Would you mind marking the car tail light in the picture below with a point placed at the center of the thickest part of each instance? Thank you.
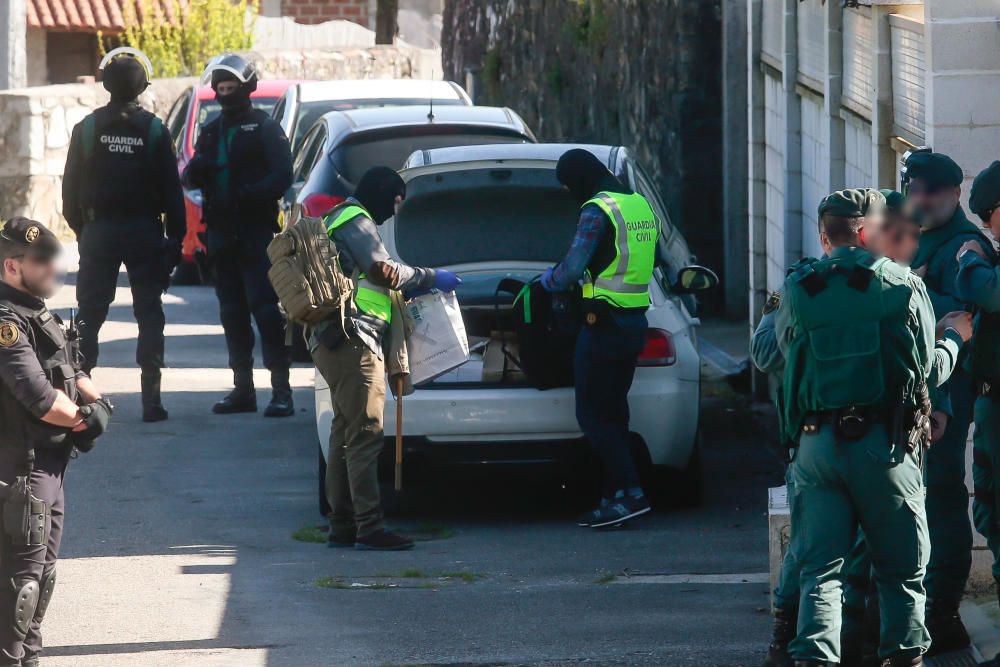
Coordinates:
(319, 204)
(659, 349)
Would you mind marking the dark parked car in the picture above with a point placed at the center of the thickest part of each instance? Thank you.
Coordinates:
(342, 145)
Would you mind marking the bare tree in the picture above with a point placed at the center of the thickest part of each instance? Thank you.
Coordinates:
(385, 21)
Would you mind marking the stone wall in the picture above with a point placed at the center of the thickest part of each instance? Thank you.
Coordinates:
(640, 73)
(35, 127)
(35, 123)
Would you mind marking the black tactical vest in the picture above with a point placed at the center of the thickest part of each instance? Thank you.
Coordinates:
(20, 428)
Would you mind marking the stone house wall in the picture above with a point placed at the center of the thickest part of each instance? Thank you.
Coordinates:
(638, 73)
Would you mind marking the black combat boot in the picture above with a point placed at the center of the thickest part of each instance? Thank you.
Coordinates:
(243, 398)
(152, 407)
(785, 622)
(945, 626)
(852, 637)
(899, 661)
(281, 404)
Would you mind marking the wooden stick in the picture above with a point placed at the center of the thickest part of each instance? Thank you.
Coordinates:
(399, 433)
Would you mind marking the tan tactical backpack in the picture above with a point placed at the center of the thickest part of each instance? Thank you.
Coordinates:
(306, 275)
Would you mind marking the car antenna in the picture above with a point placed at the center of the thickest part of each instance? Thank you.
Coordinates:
(430, 114)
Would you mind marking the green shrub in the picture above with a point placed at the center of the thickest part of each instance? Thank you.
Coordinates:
(201, 29)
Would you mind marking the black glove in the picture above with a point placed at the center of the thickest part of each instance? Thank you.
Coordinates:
(96, 417)
(171, 258)
(197, 171)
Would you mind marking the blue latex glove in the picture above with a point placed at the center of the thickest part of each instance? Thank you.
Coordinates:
(546, 279)
(446, 281)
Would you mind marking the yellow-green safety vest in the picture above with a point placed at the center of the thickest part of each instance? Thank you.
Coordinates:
(625, 281)
(370, 299)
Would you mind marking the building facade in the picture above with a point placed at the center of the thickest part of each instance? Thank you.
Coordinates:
(837, 95)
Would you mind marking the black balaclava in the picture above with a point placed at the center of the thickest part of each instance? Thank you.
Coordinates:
(377, 191)
(584, 175)
(125, 78)
(235, 102)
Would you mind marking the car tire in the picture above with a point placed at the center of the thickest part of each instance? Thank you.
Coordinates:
(300, 351)
(324, 503)
(186, 273)
(672, 488)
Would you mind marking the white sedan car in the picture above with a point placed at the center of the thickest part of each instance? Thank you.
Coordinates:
(491, 212)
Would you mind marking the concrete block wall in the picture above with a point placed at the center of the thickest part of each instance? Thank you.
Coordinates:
(963, 54)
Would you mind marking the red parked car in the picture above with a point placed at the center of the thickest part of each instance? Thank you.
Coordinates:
(195, 107)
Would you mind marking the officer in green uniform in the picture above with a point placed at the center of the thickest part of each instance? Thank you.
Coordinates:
(932, 184)
(979, 283)
(857, 333)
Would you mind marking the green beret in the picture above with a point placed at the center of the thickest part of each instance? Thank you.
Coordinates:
(852, 203)
(893, 200)
(985, 189)
(936, 170)
(33, 237)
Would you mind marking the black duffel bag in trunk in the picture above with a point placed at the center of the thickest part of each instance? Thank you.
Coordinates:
(546, 326)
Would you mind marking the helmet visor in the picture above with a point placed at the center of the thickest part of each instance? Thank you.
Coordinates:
(128, 51)
(232, 63)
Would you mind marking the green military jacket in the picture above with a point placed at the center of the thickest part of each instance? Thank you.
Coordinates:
(902, 349)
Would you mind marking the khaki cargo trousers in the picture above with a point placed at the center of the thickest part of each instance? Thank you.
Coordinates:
(356, 377)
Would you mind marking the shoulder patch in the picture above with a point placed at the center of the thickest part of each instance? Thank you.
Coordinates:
(9, 334)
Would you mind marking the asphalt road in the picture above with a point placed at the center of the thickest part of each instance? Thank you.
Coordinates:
(179, 551)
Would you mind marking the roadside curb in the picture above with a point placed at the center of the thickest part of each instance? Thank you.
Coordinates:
(983, 630)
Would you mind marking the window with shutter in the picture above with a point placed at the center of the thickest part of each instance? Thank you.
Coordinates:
(859, 70)
(908, 72)
(772, 41)
(812, 43)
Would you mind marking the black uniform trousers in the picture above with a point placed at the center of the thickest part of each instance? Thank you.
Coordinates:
(19, 562)
(104, 247)
(240, 265)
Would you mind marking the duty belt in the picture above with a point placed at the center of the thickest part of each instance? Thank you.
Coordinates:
(850, 423)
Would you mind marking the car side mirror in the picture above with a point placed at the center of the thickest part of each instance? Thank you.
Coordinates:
(694, 278)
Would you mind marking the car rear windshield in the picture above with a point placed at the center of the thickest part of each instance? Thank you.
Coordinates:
(485, 215)
(309, 112)
(354, 158)
(209, 109)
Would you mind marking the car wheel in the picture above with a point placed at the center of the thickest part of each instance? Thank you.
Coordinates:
(300, 351)
(186, 273)
(324, 504)
(675, 488)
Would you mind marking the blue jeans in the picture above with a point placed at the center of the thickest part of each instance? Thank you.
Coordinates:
(604, 365)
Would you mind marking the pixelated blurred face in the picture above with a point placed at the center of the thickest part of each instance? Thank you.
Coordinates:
(937, 204)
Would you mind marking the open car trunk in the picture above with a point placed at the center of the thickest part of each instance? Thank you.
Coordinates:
(494, 223)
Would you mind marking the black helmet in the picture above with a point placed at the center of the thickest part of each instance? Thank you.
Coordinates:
(231, 66)
(125, 73)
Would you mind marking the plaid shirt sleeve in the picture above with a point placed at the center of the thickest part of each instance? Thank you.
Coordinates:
(592, 226)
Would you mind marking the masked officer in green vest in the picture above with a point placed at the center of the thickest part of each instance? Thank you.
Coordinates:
(932, 183)
(857, 333)
(613, 252)
(979, 283)
(351, 359)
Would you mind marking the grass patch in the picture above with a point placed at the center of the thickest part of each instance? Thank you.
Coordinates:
(425, 532)
(313, 534)
(606, 578)
(331, 582)
(467, 577)
(412, 574)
